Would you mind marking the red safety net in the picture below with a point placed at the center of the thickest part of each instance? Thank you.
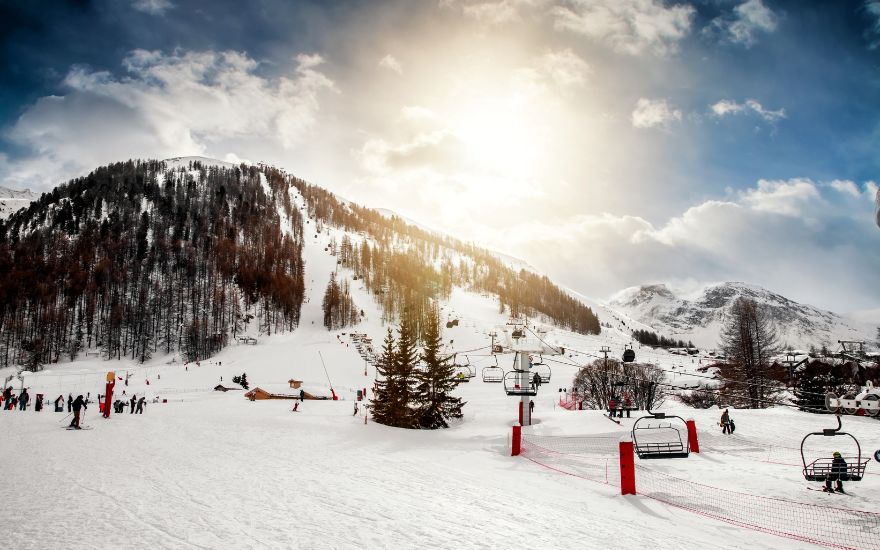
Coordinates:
(596, 458)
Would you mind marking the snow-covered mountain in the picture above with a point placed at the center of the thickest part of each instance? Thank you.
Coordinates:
(700, 318)
(13, 199)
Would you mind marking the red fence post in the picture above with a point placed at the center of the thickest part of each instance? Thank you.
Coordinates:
(692, 436)
(627, 469)
(516, 441)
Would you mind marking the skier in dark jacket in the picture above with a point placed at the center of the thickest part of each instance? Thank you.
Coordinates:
(133, 401)
(839, 472)
(69, 402)
(23, 399)
(725, 422)
(536, 380)
(78, 405)
(7, 396)
(140, 405)
(59, 404)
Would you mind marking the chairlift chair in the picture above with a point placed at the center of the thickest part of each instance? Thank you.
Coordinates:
(518, 383)
(662, 439)
(493, 373)
(821, 468)
(629, 355)
(542, 370)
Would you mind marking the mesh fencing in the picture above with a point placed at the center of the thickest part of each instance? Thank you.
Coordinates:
(596, 458)
(824, 525)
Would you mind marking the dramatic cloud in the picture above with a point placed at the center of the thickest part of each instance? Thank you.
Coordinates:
(729, 107)
(627, 26)
(847, 187)
(391, 63)
(166, 105)
(650, 113)
(747, 21)
(872, 8)
(153, 7)
(720, 240)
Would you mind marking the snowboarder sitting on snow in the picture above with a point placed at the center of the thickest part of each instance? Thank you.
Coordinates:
(725, 422)
(78, 404)
(839, 472)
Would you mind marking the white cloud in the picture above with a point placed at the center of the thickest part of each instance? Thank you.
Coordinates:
(627, 26)
(391, 63)
(153, 7)
(650, 113)
(846, 186)
(167, 105)
(494, 12)
(730, 107)
(565, 68)
(788, 198)
(745, 23)
(872, 8)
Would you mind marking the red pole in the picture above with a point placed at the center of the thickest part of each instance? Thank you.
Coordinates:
(627, 469)
(692, 436)
(516, 441)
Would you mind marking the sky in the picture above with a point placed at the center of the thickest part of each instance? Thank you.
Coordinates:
(609, 143)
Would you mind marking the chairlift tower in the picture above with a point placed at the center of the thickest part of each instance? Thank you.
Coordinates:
(523, 341)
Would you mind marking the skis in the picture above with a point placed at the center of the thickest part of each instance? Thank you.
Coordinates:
(827, 492)
(81, 428)
(611, 419)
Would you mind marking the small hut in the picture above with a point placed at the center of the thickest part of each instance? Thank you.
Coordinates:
(295, 384)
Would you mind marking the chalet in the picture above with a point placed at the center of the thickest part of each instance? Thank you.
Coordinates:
(259, 394)
(294, 384)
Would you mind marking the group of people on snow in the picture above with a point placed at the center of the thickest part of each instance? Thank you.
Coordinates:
(616, 406)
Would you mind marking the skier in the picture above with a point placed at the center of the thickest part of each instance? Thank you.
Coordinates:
(355, 409)
(69, 402)
(725, 422)
(302, 395)
(140, 405)
(531, 407)
(59, 403)
(838, 473)
(7, 395)
(23, 399)
(133, 401)
(77, 405)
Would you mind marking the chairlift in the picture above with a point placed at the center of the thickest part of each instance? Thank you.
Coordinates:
(821, 468)
(628, 354)
(661, 439)
(493, 373)
(542, 370)
(518, 383)
(466, 370)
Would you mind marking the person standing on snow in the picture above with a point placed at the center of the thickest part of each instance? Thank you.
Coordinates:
(725, 422)
(59, 403)
(69, 402)
(531, 406)
(78, 405)
(133, 401)
(355, 409)
(140, 405)
(839, 472)
(302, 395)
(23, 399)
(7, 396)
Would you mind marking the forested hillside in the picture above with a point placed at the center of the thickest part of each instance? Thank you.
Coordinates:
(404, 264)
(145, 257)
(137, 258)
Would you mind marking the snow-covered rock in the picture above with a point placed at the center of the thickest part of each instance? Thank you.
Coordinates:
(13, 199)
(700, 318)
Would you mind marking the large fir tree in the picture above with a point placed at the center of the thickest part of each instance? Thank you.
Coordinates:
(385, 389)
(405, 365)
(434, 398)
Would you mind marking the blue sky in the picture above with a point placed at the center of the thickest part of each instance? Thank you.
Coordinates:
(609, 143)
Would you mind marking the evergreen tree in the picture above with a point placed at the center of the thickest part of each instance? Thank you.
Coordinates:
(749, 341)
(243, 381)
(433, 397)
(812, 382)
(405, 365)
(386, 390)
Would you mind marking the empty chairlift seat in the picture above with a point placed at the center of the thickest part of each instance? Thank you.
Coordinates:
(660, 436)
